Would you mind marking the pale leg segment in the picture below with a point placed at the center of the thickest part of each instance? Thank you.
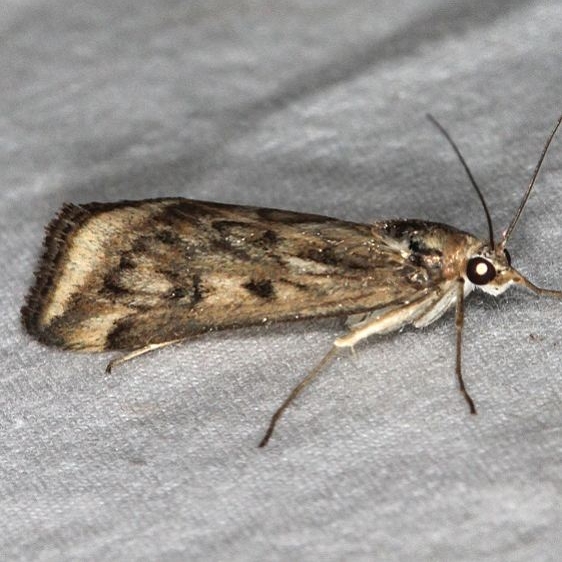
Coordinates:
(382, 324)
(389, 321)
(136, 353)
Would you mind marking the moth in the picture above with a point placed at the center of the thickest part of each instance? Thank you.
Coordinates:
(136, 276)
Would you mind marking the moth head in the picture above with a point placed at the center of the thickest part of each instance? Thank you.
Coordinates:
(490, 270)
(489, 267)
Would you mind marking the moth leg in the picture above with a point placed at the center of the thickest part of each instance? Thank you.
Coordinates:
(459, 319)
(387, 322)
(136, 353)
(295, 392)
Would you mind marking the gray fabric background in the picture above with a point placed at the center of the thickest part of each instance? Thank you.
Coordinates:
(314, 106)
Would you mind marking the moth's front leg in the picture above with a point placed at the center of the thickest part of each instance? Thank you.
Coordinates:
(459, 321)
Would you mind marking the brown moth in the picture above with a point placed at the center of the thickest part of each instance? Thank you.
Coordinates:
(140, 275)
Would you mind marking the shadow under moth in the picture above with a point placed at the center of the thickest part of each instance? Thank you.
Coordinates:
(139, 275)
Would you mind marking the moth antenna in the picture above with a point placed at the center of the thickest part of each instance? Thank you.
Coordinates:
(444, 132)
(511, 226)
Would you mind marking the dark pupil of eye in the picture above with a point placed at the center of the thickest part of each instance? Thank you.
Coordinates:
(480, 271)
(507, 257)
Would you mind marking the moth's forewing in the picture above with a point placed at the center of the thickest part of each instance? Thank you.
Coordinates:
(125, 275)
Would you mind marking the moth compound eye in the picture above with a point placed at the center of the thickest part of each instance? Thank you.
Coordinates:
(507, 257)
(480, 271)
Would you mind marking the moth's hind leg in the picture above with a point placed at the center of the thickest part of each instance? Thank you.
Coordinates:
(136, 353)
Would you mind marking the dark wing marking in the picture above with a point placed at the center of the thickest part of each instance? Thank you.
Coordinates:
(124, 275)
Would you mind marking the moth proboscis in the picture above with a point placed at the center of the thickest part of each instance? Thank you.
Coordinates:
(139, 275)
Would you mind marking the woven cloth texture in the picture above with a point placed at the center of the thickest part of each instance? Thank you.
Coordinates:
(315, 106)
